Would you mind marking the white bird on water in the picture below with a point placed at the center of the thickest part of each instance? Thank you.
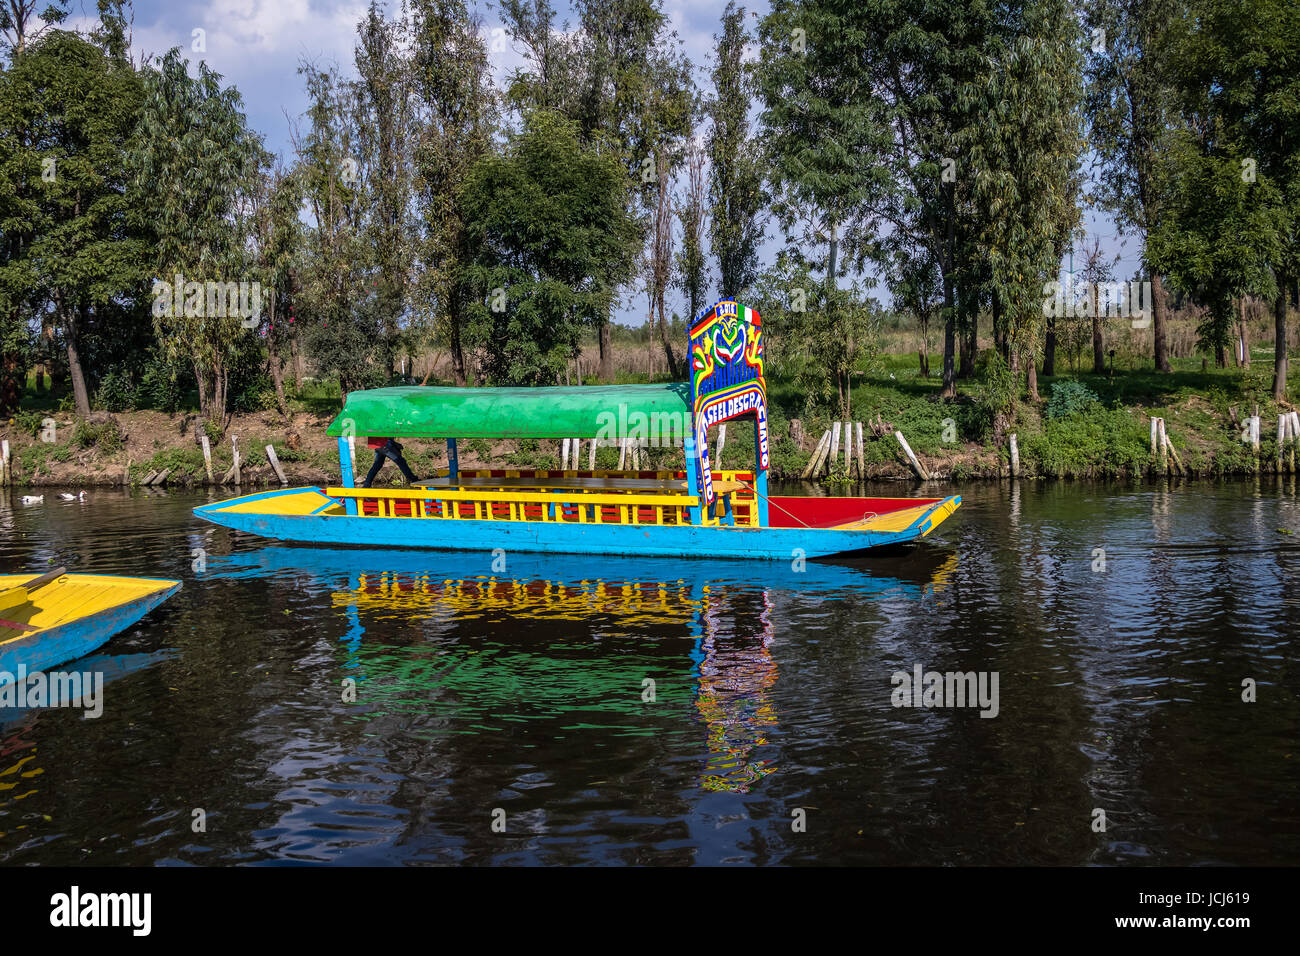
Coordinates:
(81, 496)
(32, 499)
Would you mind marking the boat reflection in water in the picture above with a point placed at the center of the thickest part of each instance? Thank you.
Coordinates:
(581, 640)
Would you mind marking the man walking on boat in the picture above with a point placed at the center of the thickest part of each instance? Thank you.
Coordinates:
(387, 448)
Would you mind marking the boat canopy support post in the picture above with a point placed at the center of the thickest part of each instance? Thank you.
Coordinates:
(345, 469)
(760, 477)
(453, 463)
(692, 477)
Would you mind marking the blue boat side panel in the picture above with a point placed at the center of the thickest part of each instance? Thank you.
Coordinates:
(776, 544)
(57, 645)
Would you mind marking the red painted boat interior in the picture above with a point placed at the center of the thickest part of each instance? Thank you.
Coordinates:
(829, 512)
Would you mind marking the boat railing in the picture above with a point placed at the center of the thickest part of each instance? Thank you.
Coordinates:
(742, 499)
(566, 505)
(541, 506)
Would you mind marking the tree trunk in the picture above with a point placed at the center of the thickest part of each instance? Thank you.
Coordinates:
(973, 335)
(667, 339)
(11, 382)
(220, 383)
(457, 349)
(606, 353)
(1049, 347)
(1279, 342)
(295, 359)
(201, 380)
(964, 342)
(1098, 341)
(68, 319)
(1161, 318)
(1031, 375)
(1243, 338)
(1000, 330)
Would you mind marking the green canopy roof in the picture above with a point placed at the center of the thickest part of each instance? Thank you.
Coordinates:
(587, 411)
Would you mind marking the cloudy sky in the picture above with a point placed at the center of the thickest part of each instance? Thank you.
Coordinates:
(258, 45)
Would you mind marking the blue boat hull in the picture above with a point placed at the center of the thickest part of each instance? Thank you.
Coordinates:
(680, 541)
(50, 647)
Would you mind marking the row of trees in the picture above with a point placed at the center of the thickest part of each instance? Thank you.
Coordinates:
(950, 148)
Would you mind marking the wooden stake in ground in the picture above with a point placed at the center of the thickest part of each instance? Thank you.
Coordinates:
(722, 440)
(591, 456)
(352, 455)
(1155, 436)
(622, 453)
(275, 463)
(1163, 445)
(1173, 452)
(862, 456)
(835, 447)
(4, 462)
(564, 455)
(1295, 439)
(1015, 456)
(824, 443)
(207, 456)
(911, 457)
(1283, 429)
(234, 452)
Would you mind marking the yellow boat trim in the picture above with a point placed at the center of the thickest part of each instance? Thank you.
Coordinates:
(307, 502)
(896, 521)
(71, 597)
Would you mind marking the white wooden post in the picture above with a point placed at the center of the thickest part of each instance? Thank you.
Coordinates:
(275, 463)
(911, 457)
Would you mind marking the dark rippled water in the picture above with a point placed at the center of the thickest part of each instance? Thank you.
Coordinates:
(484, 696)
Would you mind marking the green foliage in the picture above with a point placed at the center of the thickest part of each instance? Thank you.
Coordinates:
(67, 111)
(1070, 397)
(194, 161)
(735, 176)
(160, 385)
(552, 241)
(184, 463)
(28, 422)
(106, 437)
(1099, 444)
(116, 392)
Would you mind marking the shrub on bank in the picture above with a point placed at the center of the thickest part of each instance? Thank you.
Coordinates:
(106, 436)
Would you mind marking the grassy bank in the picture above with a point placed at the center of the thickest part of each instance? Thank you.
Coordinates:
(1086, 426)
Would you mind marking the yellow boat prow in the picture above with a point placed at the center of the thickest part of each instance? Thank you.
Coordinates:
(69, 617)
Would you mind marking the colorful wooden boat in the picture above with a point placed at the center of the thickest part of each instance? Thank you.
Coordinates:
(55, 618)
(694, 511)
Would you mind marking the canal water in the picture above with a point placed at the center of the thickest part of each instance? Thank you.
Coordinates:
(307, 705)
